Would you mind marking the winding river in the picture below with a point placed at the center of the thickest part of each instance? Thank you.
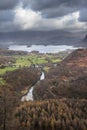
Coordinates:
(29, 96)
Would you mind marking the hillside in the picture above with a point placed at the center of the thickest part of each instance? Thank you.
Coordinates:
(6, 52)
(85, 39)
(60, 100)
(68, 79)
(52, 115)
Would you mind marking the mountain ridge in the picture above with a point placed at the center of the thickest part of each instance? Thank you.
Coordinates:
(54, 37)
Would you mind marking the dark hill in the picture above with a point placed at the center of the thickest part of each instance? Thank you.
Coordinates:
(83, 42)
(85, 39)
(68, 79)
(73, 66)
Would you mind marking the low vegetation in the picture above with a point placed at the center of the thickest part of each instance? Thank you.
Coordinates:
(10, 63)
(52, 115)
(60, 100)
(68, 79)
(22, 78)
(2, 81)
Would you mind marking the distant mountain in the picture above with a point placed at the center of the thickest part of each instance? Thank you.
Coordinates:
(82, 42)
(55, 37)
(85, 39)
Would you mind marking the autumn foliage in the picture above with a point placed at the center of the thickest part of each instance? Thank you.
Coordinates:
(65, 114)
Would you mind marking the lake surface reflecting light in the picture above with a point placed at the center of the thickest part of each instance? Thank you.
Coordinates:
(41, 48)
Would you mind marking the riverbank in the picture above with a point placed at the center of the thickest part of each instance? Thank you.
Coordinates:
(29, 95)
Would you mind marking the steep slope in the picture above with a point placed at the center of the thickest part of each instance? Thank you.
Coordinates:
(83, 42)
(68, 79)
(85, 39)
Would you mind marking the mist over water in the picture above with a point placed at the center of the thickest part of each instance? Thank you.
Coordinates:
(41, 48)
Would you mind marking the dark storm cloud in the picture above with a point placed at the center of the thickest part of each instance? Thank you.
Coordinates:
(6, 15)
(44, 4)
(8, 4)
(55, 8)
(7, 21)
(57, 12)
(47, 8)
(8, 26)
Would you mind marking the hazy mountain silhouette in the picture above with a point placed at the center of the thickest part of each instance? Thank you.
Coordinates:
(85, 39)
(55, 37)
(83, 42)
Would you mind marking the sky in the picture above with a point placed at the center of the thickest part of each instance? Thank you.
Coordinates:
(19, 15)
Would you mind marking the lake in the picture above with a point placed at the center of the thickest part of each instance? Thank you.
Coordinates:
(41, 48)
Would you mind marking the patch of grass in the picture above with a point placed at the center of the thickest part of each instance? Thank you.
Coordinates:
(56, 60)
(6, 69)
(22, 61)
(41, 60)
(2, 81)
(29, 60)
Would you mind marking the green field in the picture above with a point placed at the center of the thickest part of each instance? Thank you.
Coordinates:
(35, 59)
(56, 60)
(29, 60)
(6, 69)
(2, 81)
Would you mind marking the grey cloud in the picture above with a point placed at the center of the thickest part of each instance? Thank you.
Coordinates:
(43, 4)
(6, 15)
(8, 4)
(83, 15)
(57, 12)
(8, 27)
(48, 9)
(7, 21)
(55, 8)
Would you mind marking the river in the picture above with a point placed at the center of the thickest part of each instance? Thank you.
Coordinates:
(29, 96)
(40, 49)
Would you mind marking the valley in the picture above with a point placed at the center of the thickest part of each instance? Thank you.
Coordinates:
(43, 90)
(43, 64)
